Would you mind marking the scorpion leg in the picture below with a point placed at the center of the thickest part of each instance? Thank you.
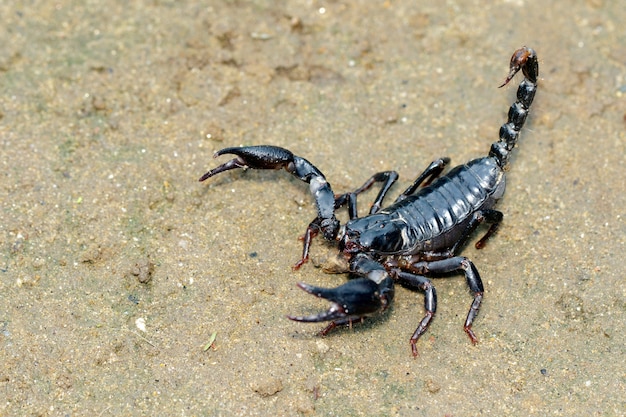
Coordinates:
(494, 217)
(473, 281)
(388, 178)
(311, 231)
(274, 157)
(370, 293)
(430, 173)
(430, 302)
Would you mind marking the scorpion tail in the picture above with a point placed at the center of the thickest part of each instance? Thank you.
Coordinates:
(524, 59)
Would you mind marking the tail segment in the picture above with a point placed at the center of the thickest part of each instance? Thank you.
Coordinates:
(524, 59)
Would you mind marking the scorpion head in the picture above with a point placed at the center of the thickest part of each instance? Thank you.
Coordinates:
(374, 233)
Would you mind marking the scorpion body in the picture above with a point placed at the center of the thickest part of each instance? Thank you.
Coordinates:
(419, 235)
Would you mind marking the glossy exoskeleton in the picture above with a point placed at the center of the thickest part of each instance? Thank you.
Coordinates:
(419, 235)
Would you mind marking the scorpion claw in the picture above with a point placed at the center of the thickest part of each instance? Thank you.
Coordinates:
(275, 157)
(256, 157)
(352, 301)
(336, 311)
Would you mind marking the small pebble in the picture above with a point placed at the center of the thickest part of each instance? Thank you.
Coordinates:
(141, 324)
(267, 387)
(143, 270)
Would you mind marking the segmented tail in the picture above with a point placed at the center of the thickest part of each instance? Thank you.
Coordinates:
(524, 59)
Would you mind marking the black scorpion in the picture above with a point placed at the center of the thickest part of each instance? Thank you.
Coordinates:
(419, 235)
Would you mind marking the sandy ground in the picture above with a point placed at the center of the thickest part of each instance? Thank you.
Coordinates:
(117, 265)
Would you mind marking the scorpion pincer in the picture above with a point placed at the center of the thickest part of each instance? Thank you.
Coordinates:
(420, 235)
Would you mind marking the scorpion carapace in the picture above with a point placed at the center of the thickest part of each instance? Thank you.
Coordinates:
(420, 235)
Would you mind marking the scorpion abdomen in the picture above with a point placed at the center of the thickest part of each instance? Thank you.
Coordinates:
(437, 215)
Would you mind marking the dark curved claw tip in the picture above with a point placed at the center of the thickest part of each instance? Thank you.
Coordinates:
(320, 292)
(232, 164)
(334, 313)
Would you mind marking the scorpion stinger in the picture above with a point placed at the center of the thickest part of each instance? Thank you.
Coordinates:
(420, 235)
(526, 60)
